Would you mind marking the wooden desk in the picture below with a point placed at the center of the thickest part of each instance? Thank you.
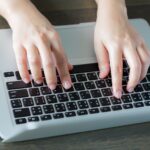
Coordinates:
(134, 137)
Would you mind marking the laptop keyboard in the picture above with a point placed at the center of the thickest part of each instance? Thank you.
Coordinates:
(89, 95)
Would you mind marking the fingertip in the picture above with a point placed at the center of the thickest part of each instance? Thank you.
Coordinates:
(67, 84)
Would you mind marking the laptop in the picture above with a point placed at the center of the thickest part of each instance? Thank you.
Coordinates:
(33, 111)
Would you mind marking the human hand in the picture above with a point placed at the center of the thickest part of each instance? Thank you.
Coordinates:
(114, 39)
(36, 42)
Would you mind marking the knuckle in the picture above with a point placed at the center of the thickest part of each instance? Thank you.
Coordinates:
(34, 61)
(137, 67)
(54, 35)
(21, 61)
(48, 64)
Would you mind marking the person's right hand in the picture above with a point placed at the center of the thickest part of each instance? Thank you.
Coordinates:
(35, 42)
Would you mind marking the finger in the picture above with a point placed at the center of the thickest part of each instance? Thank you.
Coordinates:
(21, 59)
(135, 67)
(34, 63)
(70, 66)
(102, 59)
(61, 63)
(116, 64)
(144, 56)
(47, 62)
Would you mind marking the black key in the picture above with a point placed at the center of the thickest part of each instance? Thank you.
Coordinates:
(85, 68)
(46, 117)
(148, 77)
(71, 106)
(136, 97)
(138, 88)
(146, 95)
(34, 91)
(139, 104)
(81, 77)
(147, 103)
(73, 79)
(125, 64)
(126, 99)
(18, 75)
(18, 93)
(51, 99)
(116, 107)
(58, 115)
(149, 70)
(44, 80)
(108, 82)
(96, 93)
(45, 90)
(48, 109)
(144, 80)
(94, 103)
(94, 111)
(74, 96)
(125, 72)
(21, 121)
(36, 84)
(124, 80)
(105, 101)
(82, 112)
(36, 110)
(39, 100)
(16, 103)
(43, 74)
(58, 89)
(125, 90)
(22, 112)
(70, 114)
(92, 76)
(90, 85)
(33, 119)
(79, 86)
(8, 74)
(100, 84)
(106, 92)
(17, 85)
(58, 80)
(83, 104)
(60, 107)
(105, 109)
(28, 102)
(69, 90)
(146, 86)
(115, 100)
(85, 94)
(127, 106)
(62, 97)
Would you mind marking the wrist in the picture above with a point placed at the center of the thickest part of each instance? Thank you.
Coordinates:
(12, 9)
(109, 7)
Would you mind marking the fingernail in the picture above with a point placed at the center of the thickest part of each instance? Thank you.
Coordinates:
(26, 80)
(38, 81)
(52, 86)
(130, 89)
(67, 84)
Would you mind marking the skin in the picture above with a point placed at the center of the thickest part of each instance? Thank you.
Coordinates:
(116, 39)
(36, 42)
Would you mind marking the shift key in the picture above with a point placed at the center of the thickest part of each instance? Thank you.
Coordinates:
(18, 93)
(23, 112)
